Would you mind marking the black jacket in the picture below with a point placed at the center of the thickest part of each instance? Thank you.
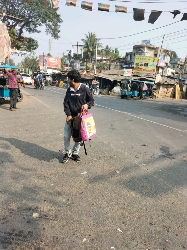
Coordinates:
(74, 100)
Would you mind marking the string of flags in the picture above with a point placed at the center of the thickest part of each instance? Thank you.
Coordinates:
(138, 14)
(20, 53)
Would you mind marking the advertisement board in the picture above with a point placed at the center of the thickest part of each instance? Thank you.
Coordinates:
(5, 44)
(49, 62)
(145, 65)
(127, 72)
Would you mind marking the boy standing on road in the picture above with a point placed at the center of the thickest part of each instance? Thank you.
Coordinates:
(78, 97)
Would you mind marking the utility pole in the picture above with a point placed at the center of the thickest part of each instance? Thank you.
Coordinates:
(78, 45)
(95, 66)
(50, 46)
(161, 46)
(160, 51)
(43, 61)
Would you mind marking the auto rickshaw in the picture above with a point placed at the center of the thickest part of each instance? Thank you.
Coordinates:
(133, 90)
(4, 90)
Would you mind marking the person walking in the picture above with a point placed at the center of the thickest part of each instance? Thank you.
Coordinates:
(78, 97)
(13, 87)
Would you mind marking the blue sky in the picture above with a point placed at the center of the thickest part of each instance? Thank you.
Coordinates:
(78, 22)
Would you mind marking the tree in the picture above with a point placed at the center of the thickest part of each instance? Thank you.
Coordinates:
(115, 54)
(174, 55)
(11, 62)
(107, 52)
(30, 63)
(90, 43)
(23, 17)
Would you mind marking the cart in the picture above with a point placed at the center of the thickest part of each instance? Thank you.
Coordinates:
(4, 90)
(134, 90)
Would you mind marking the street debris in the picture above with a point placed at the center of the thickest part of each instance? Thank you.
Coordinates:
(120, 230)
(112, 247)
(167, 240)
(117, 171)
(61, 151)
(35, 215)
(83, 173)
(84, 240)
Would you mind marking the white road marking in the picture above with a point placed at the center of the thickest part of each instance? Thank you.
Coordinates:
(137, 117)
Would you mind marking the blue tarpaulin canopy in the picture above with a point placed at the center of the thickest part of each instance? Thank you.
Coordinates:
(8, 67)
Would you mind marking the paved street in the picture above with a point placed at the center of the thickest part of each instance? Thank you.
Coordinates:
(129, 192)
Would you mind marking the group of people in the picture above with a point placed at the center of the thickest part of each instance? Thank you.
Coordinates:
(38, 81)
(78, 98)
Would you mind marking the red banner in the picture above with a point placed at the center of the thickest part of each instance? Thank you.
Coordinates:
(50, 62)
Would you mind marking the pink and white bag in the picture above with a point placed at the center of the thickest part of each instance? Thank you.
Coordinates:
(88, 128)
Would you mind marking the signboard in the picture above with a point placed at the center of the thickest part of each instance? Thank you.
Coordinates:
(161, 61)
(5, 44)
(49, 62)
(127, 72)
(145, 65)
(147, 42)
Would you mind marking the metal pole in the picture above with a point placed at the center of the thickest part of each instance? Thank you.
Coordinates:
(43, 61)
(95, 68)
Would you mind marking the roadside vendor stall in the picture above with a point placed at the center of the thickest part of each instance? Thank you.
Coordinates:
(4, 90)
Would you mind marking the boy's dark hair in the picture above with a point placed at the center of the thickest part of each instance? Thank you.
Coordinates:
(74, 75)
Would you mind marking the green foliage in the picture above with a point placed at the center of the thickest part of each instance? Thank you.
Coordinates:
(30, 63)
(109, 53)
(90, 42)
(23, 17)
(174, 55)
(102, 66)
(11, 62)
(63, 60)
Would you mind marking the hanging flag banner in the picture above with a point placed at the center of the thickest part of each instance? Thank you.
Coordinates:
(154, 16)
(145, 65)
(103, 7)
(20, 53)
(71, 2)
(120, 9)
(86, 5)
(55, 4)
(138, 14)
(5, 43)
(175, 13)
(184, 17)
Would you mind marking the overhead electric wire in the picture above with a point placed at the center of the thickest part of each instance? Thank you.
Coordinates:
(167, 34)
(108, 38)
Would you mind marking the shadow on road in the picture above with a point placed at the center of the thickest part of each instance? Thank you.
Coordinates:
(158, 182)
(32, 150)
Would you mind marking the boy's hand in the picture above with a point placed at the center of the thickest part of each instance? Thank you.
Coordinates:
(68, 118)
(85, 107)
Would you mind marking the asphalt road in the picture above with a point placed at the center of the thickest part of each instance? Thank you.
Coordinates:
(129, 192)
